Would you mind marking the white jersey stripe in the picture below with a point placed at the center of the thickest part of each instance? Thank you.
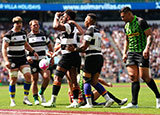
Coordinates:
(15, 48)
(68, 41)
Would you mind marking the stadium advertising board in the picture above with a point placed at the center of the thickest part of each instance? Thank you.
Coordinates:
(78, 7)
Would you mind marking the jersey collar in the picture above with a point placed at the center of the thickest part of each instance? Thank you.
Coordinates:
(135, 17)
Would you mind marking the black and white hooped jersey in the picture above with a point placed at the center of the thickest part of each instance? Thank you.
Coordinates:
(39, 43)
(16, 41)
(67, 37)
(93, 36)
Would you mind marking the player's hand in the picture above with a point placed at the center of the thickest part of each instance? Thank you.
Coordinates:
(110, 84)
(70, 48)
(36, 55)
(50, 54)
(8, 64)
(146, 53)
(29, 59)
(59, 14)
(124, 58)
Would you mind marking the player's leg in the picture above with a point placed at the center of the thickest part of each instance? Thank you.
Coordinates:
(25, 69)
(144, 74)
(134, 76)
(46, 78)
(70, 93)
(34, 87)
(75, 87)
(87, 90)
(101, 90)
(59, 74)
(13, 74)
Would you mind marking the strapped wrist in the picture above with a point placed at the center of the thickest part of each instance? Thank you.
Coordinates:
(33, 51)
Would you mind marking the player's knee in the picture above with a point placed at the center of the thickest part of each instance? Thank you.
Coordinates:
(59, 73)
(146, 79)
(133, 77)
(57, 83)
(87, 80)
(13, 74)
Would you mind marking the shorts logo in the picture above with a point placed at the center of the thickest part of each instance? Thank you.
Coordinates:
(34, 69)
(13, 64)
(140, 64)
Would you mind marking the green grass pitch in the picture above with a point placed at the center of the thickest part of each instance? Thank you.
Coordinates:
(147, 101)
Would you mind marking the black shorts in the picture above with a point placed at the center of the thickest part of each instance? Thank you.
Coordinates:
(35, 66)
(136, 58)
(16, 62)
(93, 64)
(70, 60)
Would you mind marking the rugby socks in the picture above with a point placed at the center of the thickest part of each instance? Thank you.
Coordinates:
(101, 90)
(42, 90)
(56, 88)
(88, 93)
(135, 91)
(153, 87)
(12, 91)
(35, 96)
(75, 93)
(114, 98)
(27, 86)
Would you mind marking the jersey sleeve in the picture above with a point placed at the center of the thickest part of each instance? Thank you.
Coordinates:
(89, 34)
(144, 25)
(6, 38)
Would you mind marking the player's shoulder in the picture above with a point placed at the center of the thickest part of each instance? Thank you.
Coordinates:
(8, 33)
(141, 20)
(23, 32)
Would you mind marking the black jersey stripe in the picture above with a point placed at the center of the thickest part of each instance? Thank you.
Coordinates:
(22, 52)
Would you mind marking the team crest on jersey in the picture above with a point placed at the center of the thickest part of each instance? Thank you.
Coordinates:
(43, 38)
(34, 69)
(24, 37)
(13, 64)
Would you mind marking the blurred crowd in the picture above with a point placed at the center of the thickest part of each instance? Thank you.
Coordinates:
(113, 68)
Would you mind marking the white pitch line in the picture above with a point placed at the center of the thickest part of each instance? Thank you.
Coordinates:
(41, 113)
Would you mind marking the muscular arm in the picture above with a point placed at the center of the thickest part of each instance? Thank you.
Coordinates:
(125, 48)
(149, 35)
(56, 23)
(28, 47)
(104, 83)
(83, 47)
(50, 47)
(78, 26)
(149, 43)
(4, 51)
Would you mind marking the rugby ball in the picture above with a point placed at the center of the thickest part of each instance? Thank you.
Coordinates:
(44, 64)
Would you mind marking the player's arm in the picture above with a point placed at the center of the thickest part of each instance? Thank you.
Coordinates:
(148, 32)
(29, 48)
(4, 53)
(104, 82)
(125, 49)
(50, 47)
(83, 47)
(78, 27)
(57, 25)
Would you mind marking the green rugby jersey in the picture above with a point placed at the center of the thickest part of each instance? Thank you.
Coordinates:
(135, 34)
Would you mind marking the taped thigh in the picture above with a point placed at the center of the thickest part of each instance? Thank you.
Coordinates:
(13, 73)
(26, 70)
